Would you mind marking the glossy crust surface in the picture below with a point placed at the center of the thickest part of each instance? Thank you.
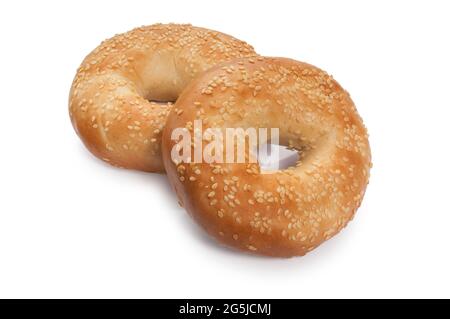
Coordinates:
(288, 212)
(123, 90)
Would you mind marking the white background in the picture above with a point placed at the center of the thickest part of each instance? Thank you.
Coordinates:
(71, 226)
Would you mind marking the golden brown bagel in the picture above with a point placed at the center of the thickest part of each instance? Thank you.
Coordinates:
(288, 212)
(114, 97)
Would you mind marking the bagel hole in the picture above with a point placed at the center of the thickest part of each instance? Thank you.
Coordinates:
(276, 157)
(161, 101)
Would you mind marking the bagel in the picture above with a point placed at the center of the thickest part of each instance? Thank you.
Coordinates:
(124, 89)
(286, 212)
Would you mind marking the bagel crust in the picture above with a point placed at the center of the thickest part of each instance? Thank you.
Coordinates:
(124, 89)
(287, 212)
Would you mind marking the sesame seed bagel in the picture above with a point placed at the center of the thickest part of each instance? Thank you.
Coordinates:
(286, 212)
(124, 89)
